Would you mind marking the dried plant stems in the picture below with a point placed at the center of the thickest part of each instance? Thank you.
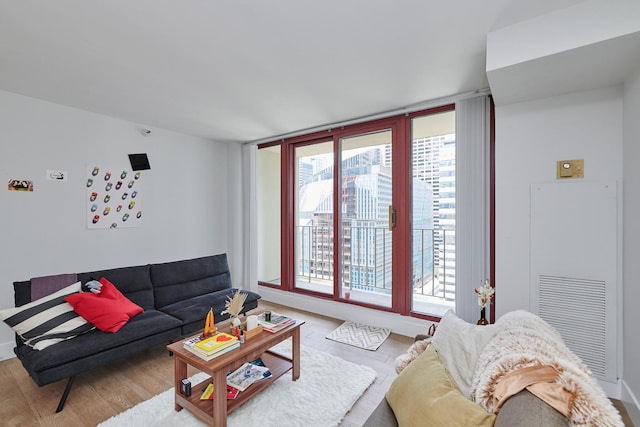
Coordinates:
(235, 304)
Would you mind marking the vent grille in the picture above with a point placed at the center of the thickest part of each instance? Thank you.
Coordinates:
(576, 308)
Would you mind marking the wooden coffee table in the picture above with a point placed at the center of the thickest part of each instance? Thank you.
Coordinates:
(214, 412)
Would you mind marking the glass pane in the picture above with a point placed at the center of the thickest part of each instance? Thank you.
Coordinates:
(365, 239)
(268, 195)
(314, 217)
(433, 191)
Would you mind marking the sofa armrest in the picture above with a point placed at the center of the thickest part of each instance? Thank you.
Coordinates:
(525, 409)
(382, 416)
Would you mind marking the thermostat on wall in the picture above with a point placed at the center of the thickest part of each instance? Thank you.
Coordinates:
(570, 169)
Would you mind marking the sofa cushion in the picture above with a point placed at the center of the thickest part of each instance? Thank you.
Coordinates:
(48, 320)
(149, 323)
(133, 282)
(424, 394)
(459, 345)
(108, 310)
(195, 309)
(182, 280)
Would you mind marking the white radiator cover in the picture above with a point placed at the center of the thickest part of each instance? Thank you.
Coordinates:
(574, 268)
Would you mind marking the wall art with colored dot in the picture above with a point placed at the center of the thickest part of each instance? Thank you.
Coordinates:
(113, 197)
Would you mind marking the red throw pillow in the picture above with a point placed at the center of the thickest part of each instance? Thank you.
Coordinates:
(108, 311)
(110, 291)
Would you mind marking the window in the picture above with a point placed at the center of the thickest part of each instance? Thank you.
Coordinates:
(433, 171)
(368, 214)
(313, 228)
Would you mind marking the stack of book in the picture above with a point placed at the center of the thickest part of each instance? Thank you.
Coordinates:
(207, 394)
(212, 347)
(276, 323)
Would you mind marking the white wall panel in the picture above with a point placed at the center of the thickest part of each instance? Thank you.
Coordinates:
(574, 266)
(631, 191)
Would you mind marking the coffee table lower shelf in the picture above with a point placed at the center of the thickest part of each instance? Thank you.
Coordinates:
(278, 365)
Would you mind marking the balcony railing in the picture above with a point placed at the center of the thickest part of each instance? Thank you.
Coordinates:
(366, 259)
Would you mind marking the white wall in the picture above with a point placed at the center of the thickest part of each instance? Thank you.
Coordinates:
(187, 199)
(579, 121)
(583, 24)
(530, 138)
(631, 266)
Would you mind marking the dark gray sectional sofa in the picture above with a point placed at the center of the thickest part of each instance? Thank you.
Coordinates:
(176, 297)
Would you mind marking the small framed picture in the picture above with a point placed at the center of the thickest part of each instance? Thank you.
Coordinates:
(20, 185)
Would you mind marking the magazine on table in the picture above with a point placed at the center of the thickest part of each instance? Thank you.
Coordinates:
(275, 323)
(247, 374)
(260, 362)
(192, 341)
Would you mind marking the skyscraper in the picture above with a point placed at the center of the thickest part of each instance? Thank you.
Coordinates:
(364, 238)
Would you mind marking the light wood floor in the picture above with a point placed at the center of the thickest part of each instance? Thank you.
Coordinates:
(102, 393)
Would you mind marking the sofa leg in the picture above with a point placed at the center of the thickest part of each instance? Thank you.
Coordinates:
(65, 394)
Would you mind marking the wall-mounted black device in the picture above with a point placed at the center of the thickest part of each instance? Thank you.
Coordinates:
(139, 162)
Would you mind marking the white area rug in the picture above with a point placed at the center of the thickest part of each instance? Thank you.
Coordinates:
(327, 388)
(358, 335)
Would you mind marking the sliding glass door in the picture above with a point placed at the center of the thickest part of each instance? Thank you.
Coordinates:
(366, 187)
(342, 237)
(314, 232)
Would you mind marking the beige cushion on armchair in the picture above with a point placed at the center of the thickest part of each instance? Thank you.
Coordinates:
(424, 395)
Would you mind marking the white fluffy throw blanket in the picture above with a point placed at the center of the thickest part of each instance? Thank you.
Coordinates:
(525, 340)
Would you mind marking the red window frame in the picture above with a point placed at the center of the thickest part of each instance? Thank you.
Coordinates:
(401, 246)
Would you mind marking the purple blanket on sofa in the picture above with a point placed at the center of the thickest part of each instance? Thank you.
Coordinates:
(45, 285)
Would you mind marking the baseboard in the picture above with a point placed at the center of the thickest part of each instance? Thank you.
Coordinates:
(612, 390)
(6, 350)
(630, 403)
(403, 325)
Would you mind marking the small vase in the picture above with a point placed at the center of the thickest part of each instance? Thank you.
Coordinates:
(235, 321)
(483, 320)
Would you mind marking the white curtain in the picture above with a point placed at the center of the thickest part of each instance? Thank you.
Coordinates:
(249, 217)
(472, 203)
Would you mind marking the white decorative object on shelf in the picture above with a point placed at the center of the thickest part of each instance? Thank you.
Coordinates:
(252, 322)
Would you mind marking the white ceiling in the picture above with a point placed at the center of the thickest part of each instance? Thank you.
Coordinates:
(237, 71)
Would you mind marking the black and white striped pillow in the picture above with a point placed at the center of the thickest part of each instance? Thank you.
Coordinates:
(48, 320)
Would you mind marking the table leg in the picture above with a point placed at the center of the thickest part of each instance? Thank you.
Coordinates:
(295, 354)
(220, 399)
(180, 372)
